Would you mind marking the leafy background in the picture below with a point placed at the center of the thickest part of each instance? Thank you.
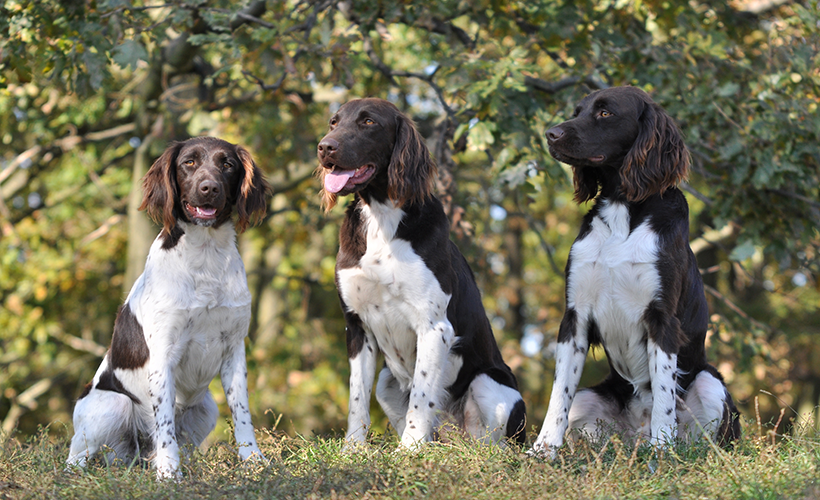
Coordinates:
(92, 91)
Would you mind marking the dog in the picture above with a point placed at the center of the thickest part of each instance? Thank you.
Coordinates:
(185, 319)
(632, 284)
(407, 291)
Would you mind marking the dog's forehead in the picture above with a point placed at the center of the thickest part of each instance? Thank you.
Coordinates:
(207, 146)
(615, 98)
(369, 106)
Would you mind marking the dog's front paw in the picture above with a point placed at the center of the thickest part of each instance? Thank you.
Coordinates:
(167, 466)
(411, 442)
(76, 461)
(543, 451)
(251, 453)
(352, 446)
(168, 473)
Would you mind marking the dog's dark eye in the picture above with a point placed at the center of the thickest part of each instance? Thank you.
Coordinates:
(604, 113)
(226, 165)
(333, 121)
(189, 163)
(368, 121)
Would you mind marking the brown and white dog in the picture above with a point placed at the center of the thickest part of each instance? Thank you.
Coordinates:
(407, 291)
(185, 319)
(632, 284)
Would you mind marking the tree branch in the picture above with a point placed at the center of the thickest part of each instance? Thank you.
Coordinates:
(714, 237)
(438, 26)
(685, 186)
(264, 86)
(539, 230)
(740, 312)
(553, 87)
(26, 400)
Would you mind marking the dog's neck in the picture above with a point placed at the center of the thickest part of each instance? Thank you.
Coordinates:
(196, 236)
(609, 183)
(377, 191)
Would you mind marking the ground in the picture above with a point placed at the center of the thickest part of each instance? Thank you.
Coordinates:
(762, 465)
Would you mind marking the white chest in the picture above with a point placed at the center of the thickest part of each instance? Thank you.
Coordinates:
(613, 278)
(208, 335)
(193, 303)
(393, 292)
(203, 270)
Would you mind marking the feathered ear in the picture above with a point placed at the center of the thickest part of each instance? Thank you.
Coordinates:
(586, 182)
(252, 198)
(160, 190)
(658, 159)
(411, 171)
(328, 199)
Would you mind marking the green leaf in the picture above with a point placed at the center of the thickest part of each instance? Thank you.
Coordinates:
(481, 135)
(95, 64)
(128, 54)
(729, 89)
(743, 251)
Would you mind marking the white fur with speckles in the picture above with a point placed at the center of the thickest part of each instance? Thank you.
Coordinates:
(487, 409)
(612, 280)
(194, 306)
(699, 413)
(403, 308)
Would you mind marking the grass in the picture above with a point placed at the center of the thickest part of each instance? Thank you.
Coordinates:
(759, 467)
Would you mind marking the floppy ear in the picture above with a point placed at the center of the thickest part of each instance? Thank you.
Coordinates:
(160, 189)
(252, 198)
(411, 171)
(586, 182)
(658, 159)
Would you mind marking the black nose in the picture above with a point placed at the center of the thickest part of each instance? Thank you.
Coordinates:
(554, 134)
(328, 145)
(209, 187)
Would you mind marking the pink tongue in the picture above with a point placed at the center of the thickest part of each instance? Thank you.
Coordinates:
(207, 212)
(336, 180)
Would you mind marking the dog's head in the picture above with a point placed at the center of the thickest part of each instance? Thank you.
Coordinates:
(623, 130)
(200, 181)
(371, 146)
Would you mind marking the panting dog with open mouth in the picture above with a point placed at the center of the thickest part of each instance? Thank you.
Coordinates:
(185, 319)
(406, 290)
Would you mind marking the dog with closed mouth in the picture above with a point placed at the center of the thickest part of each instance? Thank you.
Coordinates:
(632, 284)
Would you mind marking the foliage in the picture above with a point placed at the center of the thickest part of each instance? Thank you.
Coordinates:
(88, 87)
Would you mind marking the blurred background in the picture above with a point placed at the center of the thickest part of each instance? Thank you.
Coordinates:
(91, 92)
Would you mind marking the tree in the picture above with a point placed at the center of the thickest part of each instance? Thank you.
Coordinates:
(93, 91)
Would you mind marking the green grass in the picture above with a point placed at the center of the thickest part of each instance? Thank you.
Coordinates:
(758, 468)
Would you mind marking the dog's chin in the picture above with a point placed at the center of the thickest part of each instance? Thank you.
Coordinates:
(579, 160)
(355, 188)
(205, 216)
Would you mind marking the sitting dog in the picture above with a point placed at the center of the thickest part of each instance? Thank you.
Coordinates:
(407, 291)
(185, 319)
(632, 283)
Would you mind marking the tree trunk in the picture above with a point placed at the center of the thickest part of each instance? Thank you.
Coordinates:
(141, 231)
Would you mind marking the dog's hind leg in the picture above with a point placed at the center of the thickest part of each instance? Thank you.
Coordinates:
(103, 419)
(493, 411)
(708, 409)
(595, 415)
(196, 422)
(392, 399)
